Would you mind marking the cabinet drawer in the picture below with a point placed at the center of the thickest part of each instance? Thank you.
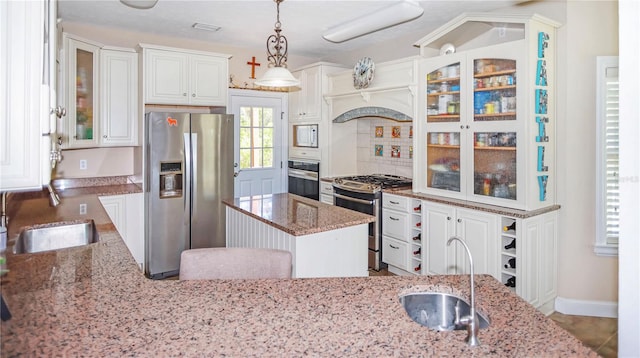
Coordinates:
(394, 252)
(327, 199)
(304, 153)
(326, 188)
(395, 202)
(395, 224)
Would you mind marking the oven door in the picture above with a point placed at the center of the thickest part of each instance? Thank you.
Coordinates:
(368, 204)
(304, 179)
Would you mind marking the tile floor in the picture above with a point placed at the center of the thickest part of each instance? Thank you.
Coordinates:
(597, 333)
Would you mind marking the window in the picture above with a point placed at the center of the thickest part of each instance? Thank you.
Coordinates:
(607, 165)
(256, 137)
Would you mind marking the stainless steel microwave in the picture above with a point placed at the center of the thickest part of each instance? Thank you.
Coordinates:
(305, 135)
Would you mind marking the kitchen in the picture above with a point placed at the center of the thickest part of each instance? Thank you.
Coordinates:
(576, 235)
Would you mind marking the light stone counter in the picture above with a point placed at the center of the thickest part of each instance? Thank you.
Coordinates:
(93, 301)
(297, 215)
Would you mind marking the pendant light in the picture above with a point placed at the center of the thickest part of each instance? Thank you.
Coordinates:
(277, 75)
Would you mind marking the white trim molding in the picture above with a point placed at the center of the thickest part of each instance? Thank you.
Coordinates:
(586, 308)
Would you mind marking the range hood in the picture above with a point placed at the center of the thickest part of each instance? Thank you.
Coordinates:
(391, 95)
(376, 112)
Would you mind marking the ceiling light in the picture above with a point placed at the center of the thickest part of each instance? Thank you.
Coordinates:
(206, 27)
(140, 4)
(381, 19)
(277, 75)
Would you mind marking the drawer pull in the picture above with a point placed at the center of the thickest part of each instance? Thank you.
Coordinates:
(394, 202)
(394, 219)
(393, 247)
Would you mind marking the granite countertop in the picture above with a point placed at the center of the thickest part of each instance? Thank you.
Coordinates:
(93, 301)
(494, 209)
(297, 215)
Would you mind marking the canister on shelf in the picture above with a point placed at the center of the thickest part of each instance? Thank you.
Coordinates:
(486, 185)
(488, 108)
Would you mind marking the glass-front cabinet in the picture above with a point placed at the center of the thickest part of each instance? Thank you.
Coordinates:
(472, 127)
(485, 121)
(81, 92)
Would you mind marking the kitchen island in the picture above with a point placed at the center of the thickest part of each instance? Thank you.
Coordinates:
(94, 301)
(324, 240)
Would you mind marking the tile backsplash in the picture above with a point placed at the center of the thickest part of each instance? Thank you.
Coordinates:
(384, 147)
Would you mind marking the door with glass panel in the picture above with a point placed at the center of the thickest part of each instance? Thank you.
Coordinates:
(259, 143)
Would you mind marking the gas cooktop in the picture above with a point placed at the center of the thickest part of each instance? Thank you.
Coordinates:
(371, 183)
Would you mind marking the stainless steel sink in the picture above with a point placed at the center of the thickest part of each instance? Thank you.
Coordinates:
(438, 310)
(56, 236)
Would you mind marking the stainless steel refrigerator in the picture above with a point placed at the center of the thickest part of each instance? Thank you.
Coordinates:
(189, 170)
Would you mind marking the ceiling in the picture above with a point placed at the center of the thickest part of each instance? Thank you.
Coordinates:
(248, 23)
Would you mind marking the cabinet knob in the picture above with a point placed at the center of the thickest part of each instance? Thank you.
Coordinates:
(459, 220)
(184, 94)
(448, 217)
(461, 127)
(104, 136)
(193, 95)
(468, 126)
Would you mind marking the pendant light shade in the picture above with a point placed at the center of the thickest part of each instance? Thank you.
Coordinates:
(277, 75)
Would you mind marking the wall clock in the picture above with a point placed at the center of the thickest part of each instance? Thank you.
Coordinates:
(363, 73)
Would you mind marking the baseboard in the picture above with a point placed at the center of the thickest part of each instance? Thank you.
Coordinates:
(586, 308)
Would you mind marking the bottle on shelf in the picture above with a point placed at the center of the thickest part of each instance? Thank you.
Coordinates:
(417, 268)
(509, 227)
(417, 237)
(511, 263)
(417, 208)
(418, 251)
(511, 245)
(511, 282)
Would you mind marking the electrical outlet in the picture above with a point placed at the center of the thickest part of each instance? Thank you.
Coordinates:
(83, 164)
(83, 209)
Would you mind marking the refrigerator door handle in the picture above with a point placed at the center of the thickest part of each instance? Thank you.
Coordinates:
(187, 179)
(194, 175)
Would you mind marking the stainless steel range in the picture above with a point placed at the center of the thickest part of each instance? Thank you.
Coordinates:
(363, 193)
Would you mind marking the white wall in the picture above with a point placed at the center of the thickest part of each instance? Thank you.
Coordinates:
(591, 30)
(101, 162)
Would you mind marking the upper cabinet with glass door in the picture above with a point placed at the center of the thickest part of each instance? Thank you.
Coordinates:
(82, 71)
(486, 120)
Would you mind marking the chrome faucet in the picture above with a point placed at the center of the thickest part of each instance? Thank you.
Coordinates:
(54, 199)
(471, 321)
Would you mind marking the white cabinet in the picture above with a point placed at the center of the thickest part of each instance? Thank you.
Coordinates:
(478, 229)
(326, 192)
(101, 95)
(27, 92)
(306, 104)
(401, 233)
(489, 133)
(520, 252)
(529, 258)
(127, 214)
(179, 77)
(82, 66)
(118, 97)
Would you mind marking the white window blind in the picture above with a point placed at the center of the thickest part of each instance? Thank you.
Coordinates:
(607, 166)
